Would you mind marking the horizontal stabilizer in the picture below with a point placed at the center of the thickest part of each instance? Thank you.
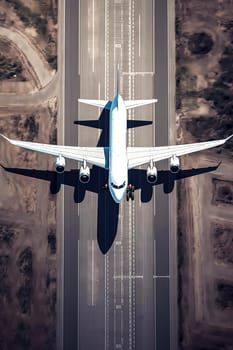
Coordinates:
(97, 103)
(137, 103)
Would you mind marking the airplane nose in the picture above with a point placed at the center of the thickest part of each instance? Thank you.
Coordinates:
(117, 195)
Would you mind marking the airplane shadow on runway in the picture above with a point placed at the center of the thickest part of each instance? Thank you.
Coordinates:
(108, 210)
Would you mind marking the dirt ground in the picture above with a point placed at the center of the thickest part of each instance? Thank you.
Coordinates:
(38, 20)
(204, 93)
(28, 250)
(27, 234)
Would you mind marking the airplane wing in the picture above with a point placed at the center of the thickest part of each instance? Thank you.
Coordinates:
(137, 103)
(107, 104)
(142, 155)
(97, 103)
(94, 155)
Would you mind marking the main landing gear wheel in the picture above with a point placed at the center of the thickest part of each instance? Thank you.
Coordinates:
(130, 193)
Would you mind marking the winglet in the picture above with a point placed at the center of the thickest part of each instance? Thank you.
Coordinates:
(6, 138)
(229, 137)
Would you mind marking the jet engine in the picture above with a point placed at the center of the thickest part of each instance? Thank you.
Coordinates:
(84, 174)
(174, 164)
(60, 164)
(151, 174)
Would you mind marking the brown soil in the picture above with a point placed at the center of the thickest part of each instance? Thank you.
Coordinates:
(27, 234)
(20, 83)
(222, 192)
(222, 237)
(46, 38)
(204, 94)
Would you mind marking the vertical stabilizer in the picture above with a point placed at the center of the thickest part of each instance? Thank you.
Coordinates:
(117, 79)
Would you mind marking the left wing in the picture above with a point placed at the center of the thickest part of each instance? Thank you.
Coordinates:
(94, 155)
(142, 155)
(97, 103)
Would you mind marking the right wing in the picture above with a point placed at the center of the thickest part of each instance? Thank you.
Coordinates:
(97, 103)
(137, 103)
(142, 155)
(94, 155)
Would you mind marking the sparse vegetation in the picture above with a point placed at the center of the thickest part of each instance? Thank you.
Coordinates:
(52, 242)
(28, 128)
(4, 259)
(53, 302)
(9, 68)
(53, 137)
(6, 236)
(203, 128)
(22, 336)
(224, 299)
(24, 296)
(25, 262)
(30, 18)
(200, 43)
(222, 243)
(32, 126)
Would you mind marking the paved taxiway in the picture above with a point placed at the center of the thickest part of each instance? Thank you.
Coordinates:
(120, 299)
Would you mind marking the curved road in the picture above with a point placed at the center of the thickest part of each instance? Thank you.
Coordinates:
(48, 80)
(33, 98)
(31, 53)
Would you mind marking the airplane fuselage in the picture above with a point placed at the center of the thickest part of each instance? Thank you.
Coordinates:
(118, 168)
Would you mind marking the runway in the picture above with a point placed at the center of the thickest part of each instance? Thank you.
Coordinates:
(116, 280)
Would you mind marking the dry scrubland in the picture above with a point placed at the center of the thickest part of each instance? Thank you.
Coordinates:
(28, 270)
(204, 41)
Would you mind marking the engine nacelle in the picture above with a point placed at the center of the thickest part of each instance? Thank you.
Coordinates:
(60, 165)
(174, 164)
(151, 174)
(84, 174)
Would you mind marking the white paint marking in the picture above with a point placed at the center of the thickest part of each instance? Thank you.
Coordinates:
(93, 36)
(139, 35)
(92, 272)
(154, 206)
(138, 73)
(99, 111)
(78, 296)
(155, 276)
(154, 267)
(79, 38)
(128, 277)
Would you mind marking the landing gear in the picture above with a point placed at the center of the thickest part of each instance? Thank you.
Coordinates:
(105, 187)
(130, 192)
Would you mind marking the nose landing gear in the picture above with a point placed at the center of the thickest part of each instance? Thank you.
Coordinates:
(130, 192)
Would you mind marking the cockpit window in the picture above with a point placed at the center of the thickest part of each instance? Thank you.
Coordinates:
(118, 187)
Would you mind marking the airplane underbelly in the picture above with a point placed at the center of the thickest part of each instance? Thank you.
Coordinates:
(118, 169)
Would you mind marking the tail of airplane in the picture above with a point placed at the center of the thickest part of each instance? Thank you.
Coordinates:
(107, 104)
(117, 80)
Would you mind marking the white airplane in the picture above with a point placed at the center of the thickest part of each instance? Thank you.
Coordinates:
(118, 158)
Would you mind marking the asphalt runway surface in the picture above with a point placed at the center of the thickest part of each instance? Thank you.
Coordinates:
(116, 279)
